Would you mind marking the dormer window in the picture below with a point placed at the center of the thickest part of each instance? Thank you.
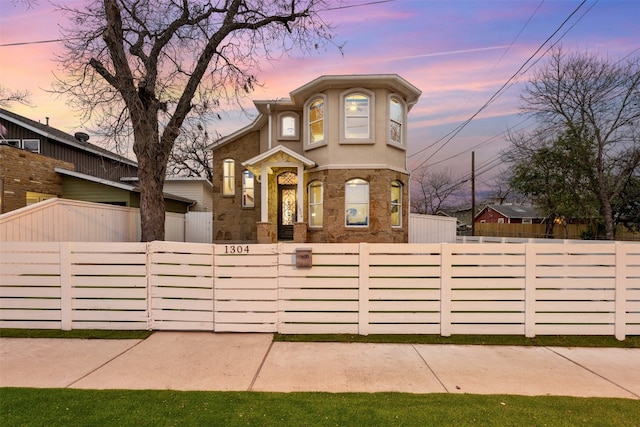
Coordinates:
(288, 126)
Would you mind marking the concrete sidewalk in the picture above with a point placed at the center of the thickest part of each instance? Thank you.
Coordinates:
(252, 362)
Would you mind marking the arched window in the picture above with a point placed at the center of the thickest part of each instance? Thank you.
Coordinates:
(357, 116)
(315, 204)
(396, 204)
(228, 177)
(396, 119)
(248, 192)
(315, 115)
(356, 196)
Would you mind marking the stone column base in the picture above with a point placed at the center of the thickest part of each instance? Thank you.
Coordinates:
(300, 232)
(266, 233)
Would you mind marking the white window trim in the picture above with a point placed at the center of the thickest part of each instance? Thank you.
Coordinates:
(346, 202)
(232, 192)
(307, 135)
(315, 204)
(296, 118)
(398, 204)
(403, 134)
(24, 141)
(372, 113)
(245, 188)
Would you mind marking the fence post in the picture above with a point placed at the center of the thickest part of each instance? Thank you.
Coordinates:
(529, 290)
(446, 259)
(66, 321)
(621, 291)
(363, 289)
(148, 249)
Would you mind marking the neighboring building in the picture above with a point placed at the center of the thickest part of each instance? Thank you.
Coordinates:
(194, 188)
(38, 162)
(326, 165)
(87, 158)
(508, 214)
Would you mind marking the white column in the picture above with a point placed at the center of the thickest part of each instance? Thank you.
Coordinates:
(264, 194)
(300, 210)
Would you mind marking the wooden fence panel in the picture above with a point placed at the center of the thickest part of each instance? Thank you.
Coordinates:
(107, 285)
(180, 286)
(30, 286)
(246, 288)
(333, 278)
(482, 274)
(531, 289)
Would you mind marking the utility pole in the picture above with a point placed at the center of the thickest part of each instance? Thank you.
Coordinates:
(473, 193)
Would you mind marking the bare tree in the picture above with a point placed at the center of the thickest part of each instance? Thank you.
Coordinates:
(190, 156)
(7, 97)
(142, 67)
(432, 191)
(589, 107)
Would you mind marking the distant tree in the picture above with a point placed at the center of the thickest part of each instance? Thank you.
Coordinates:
(190, 156)
(7, 97)
(588, 112)
(432, 191)
(552, 175)
(142, 67)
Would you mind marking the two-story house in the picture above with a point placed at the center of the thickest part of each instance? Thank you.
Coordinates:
(327, 164)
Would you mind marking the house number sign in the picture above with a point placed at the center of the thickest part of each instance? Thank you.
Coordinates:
(236, 249)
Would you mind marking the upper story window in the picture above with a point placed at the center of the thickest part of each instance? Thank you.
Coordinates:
(288, 126)
(356, 196)
(396, 120)
(356, 116)
(396, 204)
(228, 177)
(248, 190)
(32, 145)
(315, 204)
(316, 120)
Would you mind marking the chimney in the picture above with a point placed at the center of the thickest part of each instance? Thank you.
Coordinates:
(47, 118)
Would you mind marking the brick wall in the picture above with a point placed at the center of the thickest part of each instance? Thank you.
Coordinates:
(232, 222)
(22, 171)
(379, 229)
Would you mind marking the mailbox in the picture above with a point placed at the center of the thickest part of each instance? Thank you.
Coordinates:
(303, 258)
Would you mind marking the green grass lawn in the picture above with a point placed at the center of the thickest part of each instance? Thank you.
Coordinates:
(69, 407)
(558, 341)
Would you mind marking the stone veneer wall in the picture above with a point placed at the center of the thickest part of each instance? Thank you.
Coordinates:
(232, 222)
(22, 171)
(379, 229)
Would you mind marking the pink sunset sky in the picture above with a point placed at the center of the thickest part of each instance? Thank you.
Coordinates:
(459, 53)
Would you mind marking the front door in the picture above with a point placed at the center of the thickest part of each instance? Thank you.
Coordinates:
(287, 196)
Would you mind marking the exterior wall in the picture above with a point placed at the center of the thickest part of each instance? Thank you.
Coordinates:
(80, 189)
(490, 215)
(90, 163)
(22, 171)
(197, 190)
(379, 229)
(232, 222)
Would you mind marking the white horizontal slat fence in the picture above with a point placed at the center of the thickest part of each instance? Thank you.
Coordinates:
(367, 288)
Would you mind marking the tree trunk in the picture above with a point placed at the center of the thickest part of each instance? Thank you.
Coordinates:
(152, 205)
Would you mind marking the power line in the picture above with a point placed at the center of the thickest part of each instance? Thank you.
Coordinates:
(499, 92)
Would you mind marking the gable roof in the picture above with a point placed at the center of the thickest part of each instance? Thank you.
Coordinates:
(513, 211)
(62, 137)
